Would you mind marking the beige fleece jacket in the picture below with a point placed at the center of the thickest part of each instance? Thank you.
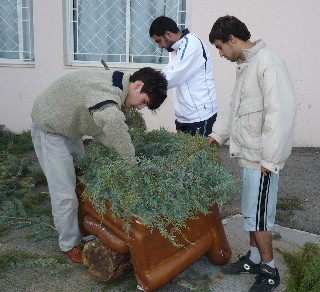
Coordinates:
(63, 108)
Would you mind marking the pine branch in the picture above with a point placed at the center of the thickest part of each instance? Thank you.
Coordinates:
(28, 221)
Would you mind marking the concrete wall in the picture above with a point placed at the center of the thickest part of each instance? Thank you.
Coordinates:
(288, 27)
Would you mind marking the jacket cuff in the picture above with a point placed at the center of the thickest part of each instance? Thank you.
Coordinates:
(217, 138)
(272, 167)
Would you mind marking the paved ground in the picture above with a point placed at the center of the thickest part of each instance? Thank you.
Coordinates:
(299, 179)
(288, 240)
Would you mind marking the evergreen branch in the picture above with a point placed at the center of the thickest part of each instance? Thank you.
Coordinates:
(29, 221)
(177, 175)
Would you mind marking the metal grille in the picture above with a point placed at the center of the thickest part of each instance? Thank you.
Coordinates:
(16, 31)
(118, 31)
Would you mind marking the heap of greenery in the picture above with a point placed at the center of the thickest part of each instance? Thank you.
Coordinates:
(13, 144)
(176, 176)
(13, 259)
(135, 121)
(304, 269)
(20, 204)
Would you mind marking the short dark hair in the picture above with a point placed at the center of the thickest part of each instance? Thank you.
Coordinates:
(155, 85)
(162, 24)
(226, 26)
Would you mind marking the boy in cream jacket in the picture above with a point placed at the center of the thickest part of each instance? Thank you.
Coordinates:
(78, 104)
(259, 127)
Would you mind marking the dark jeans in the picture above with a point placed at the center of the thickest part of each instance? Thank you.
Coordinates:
(203, 128)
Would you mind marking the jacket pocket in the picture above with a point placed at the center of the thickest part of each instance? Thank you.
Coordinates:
(250, 105)
(249, 123)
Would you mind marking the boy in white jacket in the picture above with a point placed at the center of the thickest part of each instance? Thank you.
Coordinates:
(260, 130)
(190, 74)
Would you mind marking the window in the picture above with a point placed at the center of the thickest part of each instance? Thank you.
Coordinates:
(118, 31)
(16, 32)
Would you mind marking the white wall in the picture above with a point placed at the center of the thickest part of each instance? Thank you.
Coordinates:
(20, 85)
(289, 27)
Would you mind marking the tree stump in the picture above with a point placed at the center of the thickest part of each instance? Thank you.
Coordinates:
(105, 263)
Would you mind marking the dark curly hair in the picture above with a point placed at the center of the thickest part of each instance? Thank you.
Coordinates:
(226, 26)
(162, 24)
(155, 85)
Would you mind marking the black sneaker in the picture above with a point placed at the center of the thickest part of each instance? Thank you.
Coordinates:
(243, 266)
(267, 280)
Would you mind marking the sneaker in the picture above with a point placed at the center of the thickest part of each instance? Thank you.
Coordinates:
(243, 266)
(267, 280)
(74, 254)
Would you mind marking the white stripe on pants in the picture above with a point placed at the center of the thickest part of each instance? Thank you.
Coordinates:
(55, 154)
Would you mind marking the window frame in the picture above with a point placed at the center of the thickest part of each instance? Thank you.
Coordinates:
(23, 33)
(68, 42)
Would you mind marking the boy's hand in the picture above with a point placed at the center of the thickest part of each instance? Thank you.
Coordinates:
(212, 141)
(264, 170)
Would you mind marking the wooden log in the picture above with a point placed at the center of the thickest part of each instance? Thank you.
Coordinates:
(104, 263)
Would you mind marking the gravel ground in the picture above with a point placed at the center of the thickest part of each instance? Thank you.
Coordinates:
(299, 179)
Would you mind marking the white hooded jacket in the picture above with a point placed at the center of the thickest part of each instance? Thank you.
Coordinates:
(263, 106)
(190, 74)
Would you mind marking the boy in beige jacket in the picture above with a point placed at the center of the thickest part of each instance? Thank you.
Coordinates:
(78, 104)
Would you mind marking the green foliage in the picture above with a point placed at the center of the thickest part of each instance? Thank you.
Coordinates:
(304, 269)
(20, 204)
(286, 207)
(289, 204)
(13, 259)
(176, 176)
(13, 176)
(15, 144)
(134, 120)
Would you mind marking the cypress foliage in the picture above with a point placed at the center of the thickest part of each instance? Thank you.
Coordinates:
(15, 144)
(176, 176)
(20, 204)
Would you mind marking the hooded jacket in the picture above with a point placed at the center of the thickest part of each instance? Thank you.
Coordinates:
(86, 103)
(262, 111)
(190, 74)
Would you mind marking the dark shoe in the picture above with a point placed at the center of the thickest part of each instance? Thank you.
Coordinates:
(242, 266)
(74, 254)
(267, 280)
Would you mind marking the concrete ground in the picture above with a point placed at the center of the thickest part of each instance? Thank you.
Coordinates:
(299, 179)
(201, 276)
(207, 277)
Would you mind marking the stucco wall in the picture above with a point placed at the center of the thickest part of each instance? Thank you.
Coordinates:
(289, 27)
